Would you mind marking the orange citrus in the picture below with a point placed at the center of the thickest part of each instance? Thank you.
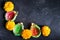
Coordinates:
(46, 30)
(8, 6)
(26, 34)
(10, 25)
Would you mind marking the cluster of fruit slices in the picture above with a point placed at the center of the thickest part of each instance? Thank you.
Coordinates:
(18, 28)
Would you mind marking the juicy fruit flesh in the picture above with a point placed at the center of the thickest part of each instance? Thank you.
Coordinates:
(8, 6)
(18, 29)
(46, 31)
(10, 15)
(10, 25)
(35, 31)
(26, 34)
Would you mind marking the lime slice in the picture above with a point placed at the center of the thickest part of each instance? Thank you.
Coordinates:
(18, 29)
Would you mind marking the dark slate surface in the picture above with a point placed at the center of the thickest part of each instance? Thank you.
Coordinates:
(41, 12)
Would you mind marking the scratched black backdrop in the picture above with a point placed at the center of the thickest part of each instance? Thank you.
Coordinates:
(41, 12)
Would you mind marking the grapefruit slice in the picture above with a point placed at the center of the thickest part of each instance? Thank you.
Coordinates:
(11, 15)
(36, 32)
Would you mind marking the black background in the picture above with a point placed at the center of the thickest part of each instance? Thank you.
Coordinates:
(41, 12)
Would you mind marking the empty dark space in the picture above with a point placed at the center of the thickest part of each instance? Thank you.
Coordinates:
(41, 12)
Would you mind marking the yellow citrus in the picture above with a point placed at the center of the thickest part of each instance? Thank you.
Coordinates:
(26, 34)
(10, 25)
(8, 6)
(46, 30)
